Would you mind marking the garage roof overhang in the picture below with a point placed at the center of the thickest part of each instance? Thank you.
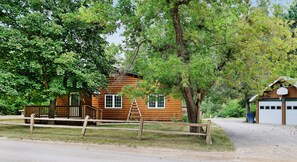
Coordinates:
(282, 78)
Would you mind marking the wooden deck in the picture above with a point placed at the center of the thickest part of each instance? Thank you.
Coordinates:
(63, 112)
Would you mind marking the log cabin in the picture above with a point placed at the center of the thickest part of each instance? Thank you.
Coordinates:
(278, 103)
(108, 104)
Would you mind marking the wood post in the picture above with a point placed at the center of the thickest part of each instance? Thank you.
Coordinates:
(140, 128)
(283, 111)
(68, 112)
(84, 128)
(208, 136)
(83, 111)
(32, 123)
(101, 114)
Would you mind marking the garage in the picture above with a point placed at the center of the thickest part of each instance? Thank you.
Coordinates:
(270, 112)
(291, 112)
(278, 102)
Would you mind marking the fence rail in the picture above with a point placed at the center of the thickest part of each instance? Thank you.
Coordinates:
(139, 130)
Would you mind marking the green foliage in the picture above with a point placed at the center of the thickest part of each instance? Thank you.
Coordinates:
(210, 107)
(253, 108)
(185, 119)
(232, 109)
(228, 43)
(51, 48)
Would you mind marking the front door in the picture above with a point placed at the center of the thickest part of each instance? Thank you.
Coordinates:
(74, 104)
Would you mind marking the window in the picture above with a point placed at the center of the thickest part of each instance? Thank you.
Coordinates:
(113, 101)
(267, 107)
(261, 107)
(156, 101)
(289, 107)
(278, 107)
(272, 107)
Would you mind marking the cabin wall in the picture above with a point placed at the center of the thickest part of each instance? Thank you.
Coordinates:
(172, 109)
(62, 101)
(84, 100)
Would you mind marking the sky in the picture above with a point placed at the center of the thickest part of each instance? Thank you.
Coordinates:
(116, 38)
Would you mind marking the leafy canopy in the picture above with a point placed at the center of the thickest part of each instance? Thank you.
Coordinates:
(49, 48)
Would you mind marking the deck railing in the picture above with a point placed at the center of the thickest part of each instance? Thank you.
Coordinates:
(92, 112)
(60, 111)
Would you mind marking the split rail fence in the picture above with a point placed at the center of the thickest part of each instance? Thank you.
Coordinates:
(140, 129)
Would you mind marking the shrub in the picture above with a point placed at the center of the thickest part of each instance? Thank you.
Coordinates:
(185, 119)
(232, 109)
(253, 108)
(209, 107)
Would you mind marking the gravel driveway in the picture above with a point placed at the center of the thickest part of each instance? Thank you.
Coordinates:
(261, 142)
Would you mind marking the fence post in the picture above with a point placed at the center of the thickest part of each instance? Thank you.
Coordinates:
(31, 122)
(140, 128)
(84, 128)
(208, 132)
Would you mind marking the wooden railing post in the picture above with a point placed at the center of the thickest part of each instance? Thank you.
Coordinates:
(83, 111)
(140, 128)
(84, 128)
(32, 123)
(68, 112)
(101, 114)
(208, 132)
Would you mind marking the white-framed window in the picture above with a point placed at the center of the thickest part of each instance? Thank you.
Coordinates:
(156, 102)
(112, 101)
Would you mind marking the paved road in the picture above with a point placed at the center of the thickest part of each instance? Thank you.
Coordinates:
(261, 141)
(35, 151)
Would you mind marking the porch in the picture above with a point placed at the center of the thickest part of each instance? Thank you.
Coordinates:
(78, 112)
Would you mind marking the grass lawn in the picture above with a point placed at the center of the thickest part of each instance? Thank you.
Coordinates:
(221, 141)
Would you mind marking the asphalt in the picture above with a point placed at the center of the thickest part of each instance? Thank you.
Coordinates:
(40, 151)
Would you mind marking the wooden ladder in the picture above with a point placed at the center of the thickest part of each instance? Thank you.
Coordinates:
(134, 112)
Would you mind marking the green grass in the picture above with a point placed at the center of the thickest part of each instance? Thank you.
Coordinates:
(221, 141)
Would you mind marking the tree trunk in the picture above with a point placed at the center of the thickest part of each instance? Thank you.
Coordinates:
(192, 108)
(247, 108)
(52, 107)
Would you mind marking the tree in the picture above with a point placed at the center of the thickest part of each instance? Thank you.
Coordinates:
(262, 52)
(180, 44)
(50, 48)
(186, 46)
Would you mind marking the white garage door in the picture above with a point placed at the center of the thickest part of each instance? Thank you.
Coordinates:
(270, 112)
(291, 112)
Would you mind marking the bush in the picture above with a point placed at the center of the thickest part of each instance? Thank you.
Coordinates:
(253, 108)
(209, 107)
(232, 109)
(185, 119)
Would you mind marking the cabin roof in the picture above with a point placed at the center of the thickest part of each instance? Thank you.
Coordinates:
(282, 78)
